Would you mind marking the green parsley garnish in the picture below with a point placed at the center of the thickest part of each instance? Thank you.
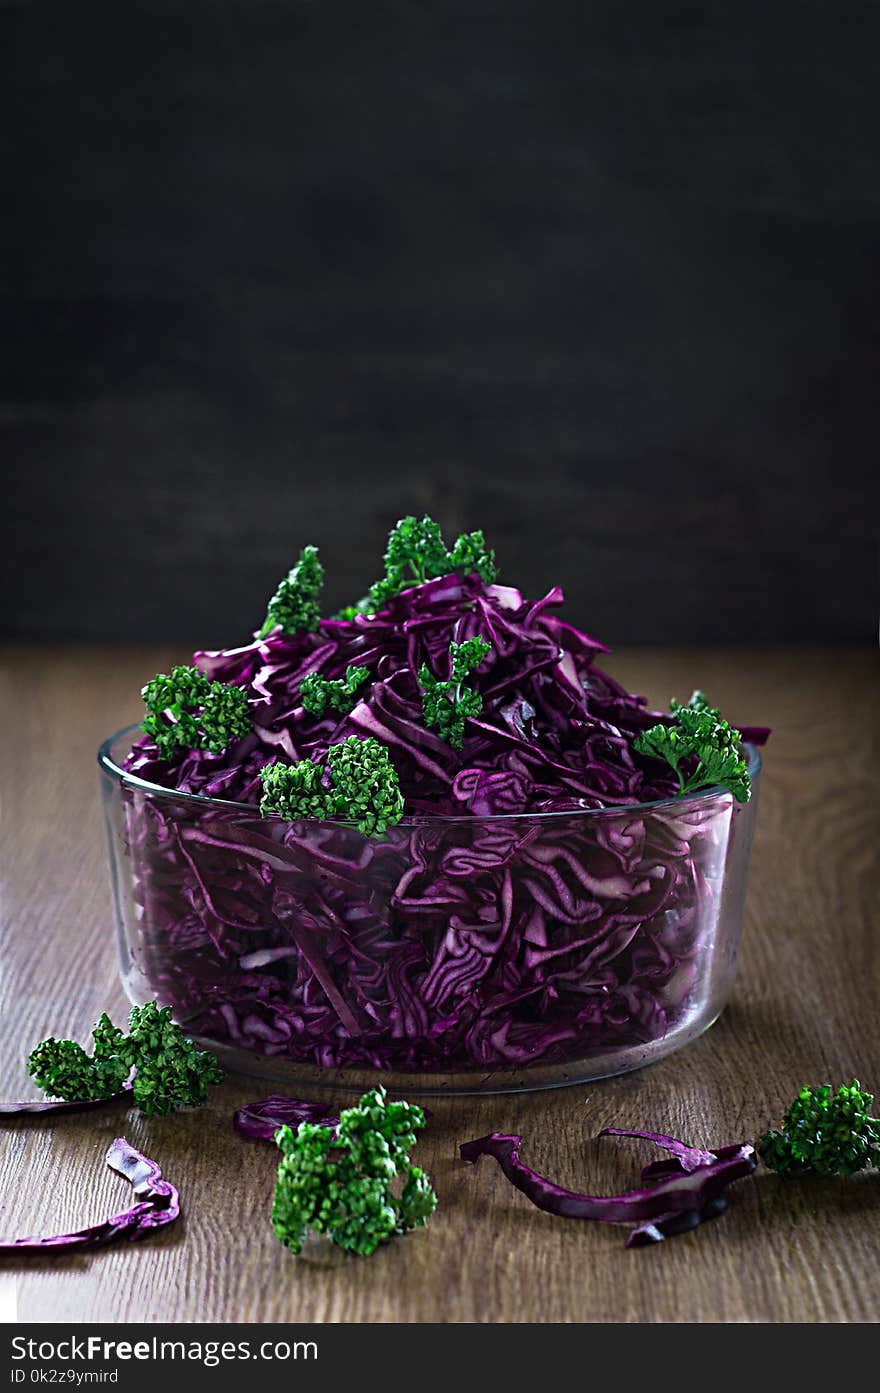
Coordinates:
(187, 710)
(701, 742)
(294, 606)
(340, 1182)
(360, 786)
(828, 1133)
(169, 1071)
(320, 694)
(417, 552)
(446, 705)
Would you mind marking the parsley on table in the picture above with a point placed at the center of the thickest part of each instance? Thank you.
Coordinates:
(829, 1133)
(170, 1072)
(346, 1181)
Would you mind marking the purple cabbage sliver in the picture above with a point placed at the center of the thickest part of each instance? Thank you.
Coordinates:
(686, 1158)
(260, 1121)
(44, 1106)
(157, 1203)
(688, 1191)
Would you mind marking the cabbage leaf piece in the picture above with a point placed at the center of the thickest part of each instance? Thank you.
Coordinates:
(676, 1195)
(260, 1121)
(157, 1203)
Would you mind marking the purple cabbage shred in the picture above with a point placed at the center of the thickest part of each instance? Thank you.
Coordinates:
(157, 1203)
(260, 1121)
(39, 1106)
(676, 1195)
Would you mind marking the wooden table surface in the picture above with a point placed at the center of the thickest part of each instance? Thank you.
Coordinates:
(804, 1009)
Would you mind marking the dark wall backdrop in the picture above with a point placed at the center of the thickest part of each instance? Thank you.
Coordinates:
(599, 278)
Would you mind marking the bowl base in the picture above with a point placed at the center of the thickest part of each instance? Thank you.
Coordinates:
(296, 1076)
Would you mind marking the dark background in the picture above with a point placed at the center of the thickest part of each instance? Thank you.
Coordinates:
(598, 278)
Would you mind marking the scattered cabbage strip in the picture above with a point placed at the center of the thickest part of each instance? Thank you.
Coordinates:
(157, 1203)
(55, 1105)
(260, 1121)
(677, 1194)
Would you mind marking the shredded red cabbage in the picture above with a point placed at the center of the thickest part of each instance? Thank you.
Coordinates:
(461, 940)
(157, 1204)
(677, 1195)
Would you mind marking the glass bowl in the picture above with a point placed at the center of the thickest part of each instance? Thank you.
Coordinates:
(452, 954)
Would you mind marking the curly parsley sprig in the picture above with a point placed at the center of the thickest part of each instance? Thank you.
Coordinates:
(699, 741)
(186, 710)
(63, 1069)
(446, 705)
(169, 1071)
(321, 694)
(294, 607)
(416, 553)
(360, 785)
(828, 1133)
(346, 1182)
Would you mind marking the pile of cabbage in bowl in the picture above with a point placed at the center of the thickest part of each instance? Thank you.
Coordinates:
(525, 909)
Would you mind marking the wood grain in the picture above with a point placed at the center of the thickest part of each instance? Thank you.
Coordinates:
(803, 1009)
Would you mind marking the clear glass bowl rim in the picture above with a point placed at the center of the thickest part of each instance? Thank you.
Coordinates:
(123, 777)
